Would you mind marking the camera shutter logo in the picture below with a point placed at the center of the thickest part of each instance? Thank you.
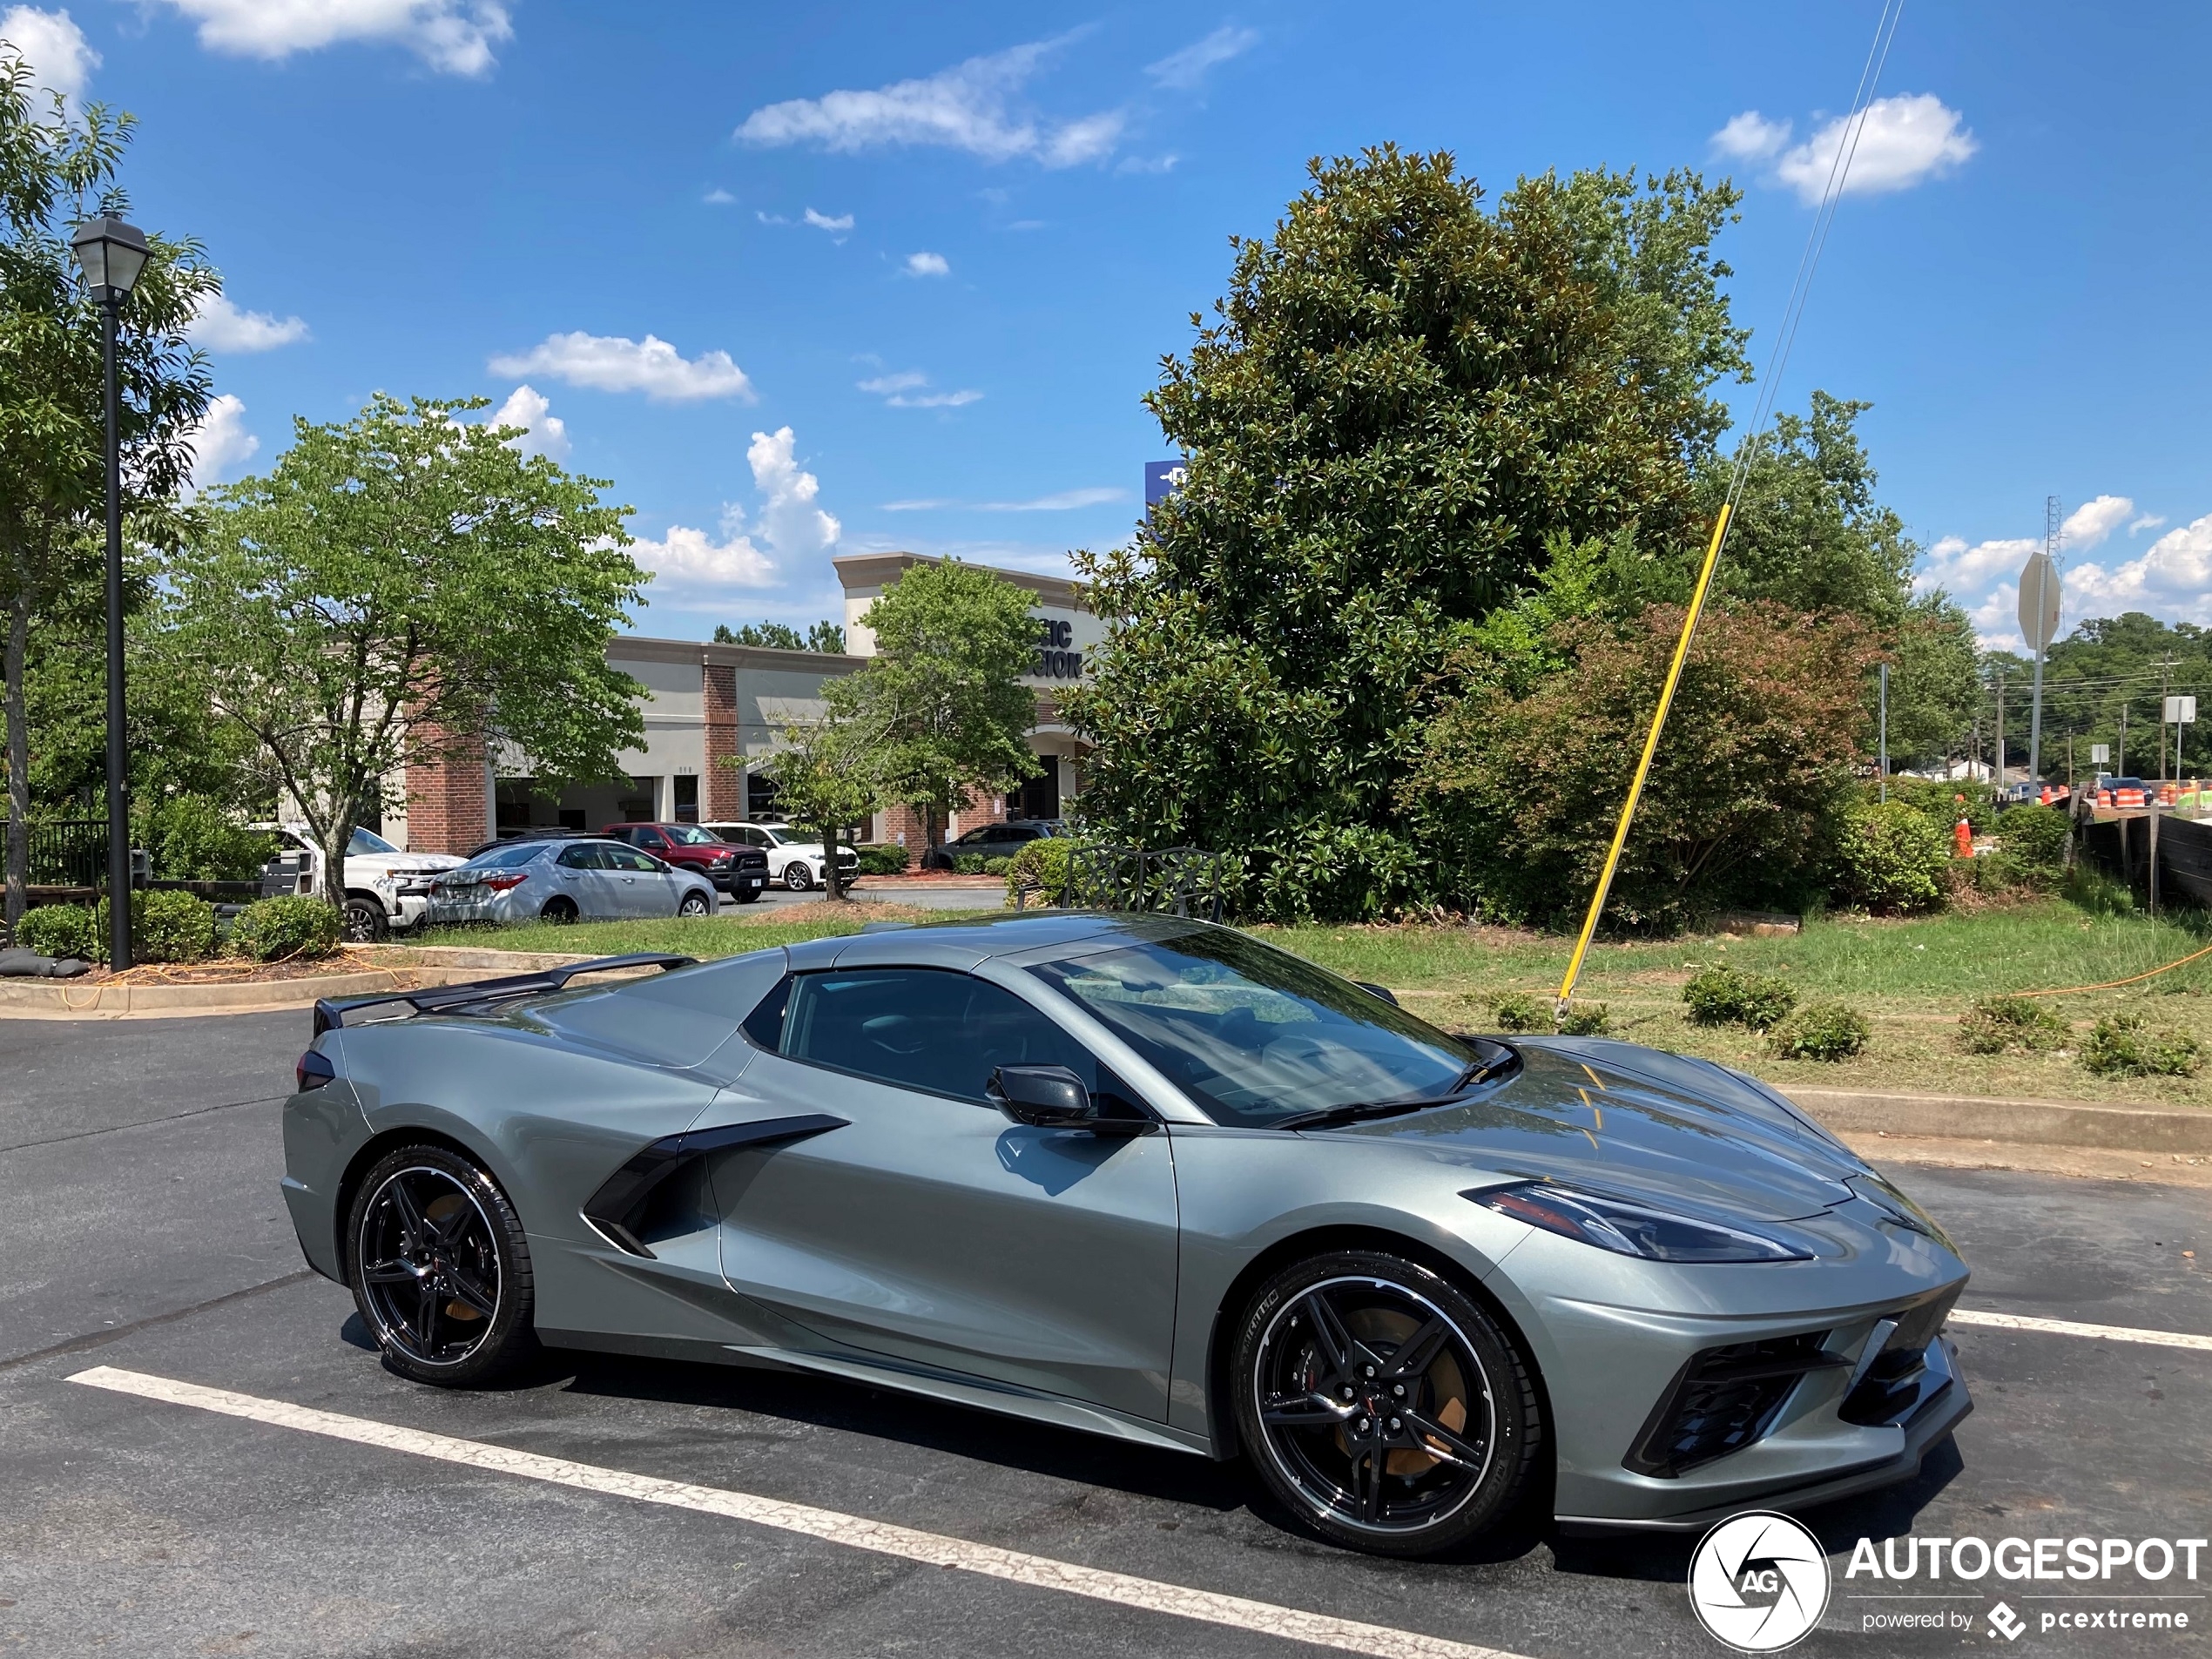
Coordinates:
(1758, 1581)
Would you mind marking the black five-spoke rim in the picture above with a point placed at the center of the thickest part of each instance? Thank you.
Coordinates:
(430, 1267)
(1374, 1405)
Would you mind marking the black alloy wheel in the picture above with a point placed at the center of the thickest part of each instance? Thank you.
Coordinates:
(1384, 1404)
(365, 921)
(559, 910)
(695, 904)
(440, 1269)
(797, 876)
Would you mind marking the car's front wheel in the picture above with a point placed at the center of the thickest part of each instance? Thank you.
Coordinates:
(695, 904)
(440, 1269)
(1383, 1404)
(365, 922)
(559, 910)
(797, 876)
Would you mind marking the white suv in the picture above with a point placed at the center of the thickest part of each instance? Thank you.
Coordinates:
(798, 864)
(386, 889)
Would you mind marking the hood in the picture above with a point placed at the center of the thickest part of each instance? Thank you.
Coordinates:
(407, 863)
(1670, 1129)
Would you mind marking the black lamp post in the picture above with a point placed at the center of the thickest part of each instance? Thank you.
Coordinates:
(113, 254)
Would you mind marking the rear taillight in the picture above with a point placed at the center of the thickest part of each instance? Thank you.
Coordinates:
(312, 1071)
(505, 879)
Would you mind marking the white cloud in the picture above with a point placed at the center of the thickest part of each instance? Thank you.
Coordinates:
(1902, 141)
(221, 444)
(928, 265)
(2148, 522)
(455, 36)
(1963, 570)
(2093, 521)
(1750, 137)
(1062, 502)
(1184, 70)
(904, 390)
(824, 222)
(1997, 621)
(790, 525)
(222, 326)
(717, 197)
(54, 47)
(611, 363)
(543, 433)
(918, 504)
(2172, 579)
(967, 107)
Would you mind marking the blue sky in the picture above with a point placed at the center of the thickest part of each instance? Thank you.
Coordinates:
(845, 278)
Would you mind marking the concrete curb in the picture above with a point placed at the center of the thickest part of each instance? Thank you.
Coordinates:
(2048, 1123)
(76, 1000)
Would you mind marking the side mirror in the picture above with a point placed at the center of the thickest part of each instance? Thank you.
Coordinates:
(1043, 1097)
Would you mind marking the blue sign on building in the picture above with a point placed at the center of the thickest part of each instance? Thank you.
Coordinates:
(1161, 480)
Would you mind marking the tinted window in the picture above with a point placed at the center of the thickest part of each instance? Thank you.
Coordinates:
(692, 835)
(505, 855)
(623, 858)
(585, 855)
(1253, 1034)
(364, 844)
(918, 1028)
(646, 838)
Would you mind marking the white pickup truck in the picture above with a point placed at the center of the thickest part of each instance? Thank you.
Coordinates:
(386, 889)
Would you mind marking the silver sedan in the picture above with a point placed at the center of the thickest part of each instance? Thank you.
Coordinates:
(567, 880)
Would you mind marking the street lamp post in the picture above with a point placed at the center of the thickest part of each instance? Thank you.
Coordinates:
(112, 253)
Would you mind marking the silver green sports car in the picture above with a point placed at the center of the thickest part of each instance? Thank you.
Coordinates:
(1151, 1179)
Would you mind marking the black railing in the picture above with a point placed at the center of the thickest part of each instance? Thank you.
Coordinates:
(66, 852)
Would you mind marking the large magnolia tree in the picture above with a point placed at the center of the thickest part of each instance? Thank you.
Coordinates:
(401, 586)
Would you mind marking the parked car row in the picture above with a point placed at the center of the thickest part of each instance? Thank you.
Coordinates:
(586, 877)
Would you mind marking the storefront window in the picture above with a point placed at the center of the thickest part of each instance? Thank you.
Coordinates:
(687, 800)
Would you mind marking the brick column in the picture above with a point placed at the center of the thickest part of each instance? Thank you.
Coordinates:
(448, 807)
(724, 801)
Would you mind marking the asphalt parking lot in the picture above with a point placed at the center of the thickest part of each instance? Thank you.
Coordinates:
(141, 1230)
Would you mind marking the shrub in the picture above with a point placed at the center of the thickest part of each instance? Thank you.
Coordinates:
(1892, 859)
(1585, 1020)
(60, 930)
(2121, 1045)
(1722, 996)
(167, 926)
(997, 866)
(969, 863)
(190, 838)
(1518, 1011)
(1048, 863)
(293, 925)
(2033, 837)
(883, 858)
(1828, 1031)
(1999, 1023)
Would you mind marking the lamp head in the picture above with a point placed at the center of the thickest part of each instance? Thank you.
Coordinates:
(113, 254)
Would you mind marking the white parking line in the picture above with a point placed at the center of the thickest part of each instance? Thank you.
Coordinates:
(2069, 1328)
(930, 1550)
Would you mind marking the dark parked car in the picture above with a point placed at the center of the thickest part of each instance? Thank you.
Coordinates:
(741, 871)
(989, 841)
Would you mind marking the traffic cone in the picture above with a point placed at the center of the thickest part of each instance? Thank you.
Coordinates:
(2044, 800)
(1962, 839)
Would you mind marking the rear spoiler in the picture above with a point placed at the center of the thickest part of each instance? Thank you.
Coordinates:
(331, 1013)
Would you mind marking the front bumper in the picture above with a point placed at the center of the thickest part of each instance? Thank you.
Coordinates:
(737, 881)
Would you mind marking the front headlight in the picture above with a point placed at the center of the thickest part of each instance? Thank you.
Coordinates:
(1628, 1228)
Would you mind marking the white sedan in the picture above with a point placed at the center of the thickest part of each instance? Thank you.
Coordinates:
(798, 864)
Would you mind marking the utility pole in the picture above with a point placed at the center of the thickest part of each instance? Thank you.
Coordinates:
(2120, 769)
(2046, 571)
(2165, 674)
(2001, 731)
(1884, 730)
(1974, 758)
(2070, 761)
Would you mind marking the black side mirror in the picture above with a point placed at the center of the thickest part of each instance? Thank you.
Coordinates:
(1043, 1097)
(1383, 991)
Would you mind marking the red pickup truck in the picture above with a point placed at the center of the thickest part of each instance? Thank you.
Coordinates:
(741, 871)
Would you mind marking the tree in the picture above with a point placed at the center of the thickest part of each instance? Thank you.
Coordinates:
(1934, 684)
(827, 637)
(52, 415)
(825, 782)
(1403, 401)
(402, 586)
(941, 705)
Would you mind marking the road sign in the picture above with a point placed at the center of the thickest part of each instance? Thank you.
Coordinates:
(2100, 754)
(1161, 480)
(2038, 602)
(2181, 711)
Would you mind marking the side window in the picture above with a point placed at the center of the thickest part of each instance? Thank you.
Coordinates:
(924, 1029)
(648, 837)
(584, 856)
(622, 858)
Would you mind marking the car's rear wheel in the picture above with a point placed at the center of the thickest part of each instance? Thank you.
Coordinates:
(1383, 1404)
(797, 876)
(695, 904)
(439, 1268)
(365, 922)
(559, 909)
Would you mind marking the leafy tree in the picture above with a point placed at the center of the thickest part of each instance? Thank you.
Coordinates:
(2107, 666)
(1935, 683)
(826, 636)
(399, 585)
(940, 706)
(1403, 401)
(825, 782)
(1516, 789)
(56, 170)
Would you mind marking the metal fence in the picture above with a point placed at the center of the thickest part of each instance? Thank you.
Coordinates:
(1172, 881)
(66, 852)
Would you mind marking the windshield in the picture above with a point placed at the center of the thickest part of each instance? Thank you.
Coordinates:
(692, 835)
(1254, 1034)
(364, 843)
(506, 853)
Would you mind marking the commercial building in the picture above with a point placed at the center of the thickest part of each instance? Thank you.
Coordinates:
(713, 712)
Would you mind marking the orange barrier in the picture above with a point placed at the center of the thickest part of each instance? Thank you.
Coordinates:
(1962, 839)
(2128, 798)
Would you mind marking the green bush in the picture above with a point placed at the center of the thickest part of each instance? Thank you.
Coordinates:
(1936, 800)
(1518, 1011)
(1828, 1031)
(2121, 1045)
(60, 930)
(1892, 859)
(166, 927)
(189, 837)
(293, 925)
(2000, 1023)
(969, 863)
(1722, 996)
(883, 858)
(1586, 1020)
(1046, 864)
(2033, 837)
(997, 866)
